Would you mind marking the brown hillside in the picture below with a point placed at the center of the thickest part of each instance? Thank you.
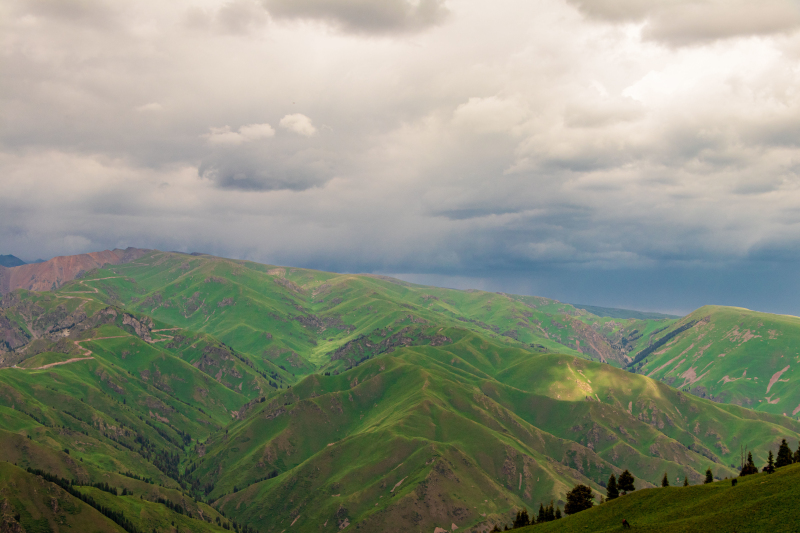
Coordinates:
(55, 272)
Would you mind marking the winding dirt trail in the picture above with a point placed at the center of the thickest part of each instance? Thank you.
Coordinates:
(87, 352)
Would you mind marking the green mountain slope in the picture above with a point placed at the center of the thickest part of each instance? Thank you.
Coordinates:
(761, 502)
(292, 399)
(731, 355)
(429, 432)
(297, 319)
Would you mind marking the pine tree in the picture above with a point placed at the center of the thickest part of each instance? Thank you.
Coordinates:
(784, 455)
(709, 477)
(558, 512)
(770, 468)
(549, 512)
(625, 482)
(541, 517)
(749, 467)
(579, 499)
(686, 481)
(796, 457)
(612, 492)
(665, 481)
(522, 519)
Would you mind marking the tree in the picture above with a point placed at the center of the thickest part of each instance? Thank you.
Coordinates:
(770, 468)
(496, 529)
(749, 467)
(686, 481)
(542, 516)
(612, 492)
(665, 481)
(709, 477)
(578, 499)
(796, 457)
(558, 512)
(625, 482)
(549, 512)
(784, 455)
(522, 519)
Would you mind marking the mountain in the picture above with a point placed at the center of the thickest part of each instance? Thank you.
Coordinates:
(10, 261)
(299, 400)
(613, 312)
(730, 355)
(52, 274)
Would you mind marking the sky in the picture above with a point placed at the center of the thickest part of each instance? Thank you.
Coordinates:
(625, 153)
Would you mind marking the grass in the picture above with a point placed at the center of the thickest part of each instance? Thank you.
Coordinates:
(761, 502)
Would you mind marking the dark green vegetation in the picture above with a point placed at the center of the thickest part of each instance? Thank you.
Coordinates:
(730, 355)
(297, 400)
(757, 503)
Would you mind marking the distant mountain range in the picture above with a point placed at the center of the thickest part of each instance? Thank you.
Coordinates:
(290, 399)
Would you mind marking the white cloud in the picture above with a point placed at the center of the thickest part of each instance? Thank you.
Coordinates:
(152, 106)
(252, 132)
(299, 124)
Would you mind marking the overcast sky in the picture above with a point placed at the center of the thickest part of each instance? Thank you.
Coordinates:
(625, 153)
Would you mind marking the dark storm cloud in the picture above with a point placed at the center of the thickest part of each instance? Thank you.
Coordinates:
(364, 16)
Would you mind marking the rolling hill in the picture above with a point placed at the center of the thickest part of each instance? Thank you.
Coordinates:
(298, 400)
(730, 355)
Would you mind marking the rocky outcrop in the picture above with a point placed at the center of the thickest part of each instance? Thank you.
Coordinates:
(142, 328)
(59, 270)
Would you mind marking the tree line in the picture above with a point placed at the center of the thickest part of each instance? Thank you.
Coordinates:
(581, 497)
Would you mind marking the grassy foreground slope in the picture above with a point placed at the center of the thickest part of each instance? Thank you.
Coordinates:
(758, 503)
(464, 433)
(731, 355)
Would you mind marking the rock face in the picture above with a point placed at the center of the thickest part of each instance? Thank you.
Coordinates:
(57, 271)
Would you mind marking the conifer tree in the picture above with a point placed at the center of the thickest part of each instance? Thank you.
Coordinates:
(541, 518)
(549, 512)
(625, 482)
(784, 455)
(796, 457)
(612, 492)
(578, 499)
(665, 481)
(709, 477)
(522, 519)
(558, 512)
(770, 468)
(749, 467)
(686, 481)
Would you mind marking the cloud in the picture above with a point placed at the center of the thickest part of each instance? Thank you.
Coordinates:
(519, 141)
(152, 106)
(299, 124)
(364, 16)
(251, 132)
(686, 22)
(238, 17)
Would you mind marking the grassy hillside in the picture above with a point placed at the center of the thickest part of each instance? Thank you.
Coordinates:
(447, 434)
(292, 399)
(731, 355)
(761, 502)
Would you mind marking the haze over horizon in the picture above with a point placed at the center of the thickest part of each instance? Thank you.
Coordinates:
(616, 153)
